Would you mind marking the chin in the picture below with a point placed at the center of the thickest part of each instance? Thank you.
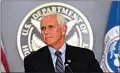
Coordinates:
(49, 43)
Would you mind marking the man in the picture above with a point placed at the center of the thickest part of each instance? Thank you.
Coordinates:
(58, 56)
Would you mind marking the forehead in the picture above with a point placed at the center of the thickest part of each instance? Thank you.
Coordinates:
(50, 19)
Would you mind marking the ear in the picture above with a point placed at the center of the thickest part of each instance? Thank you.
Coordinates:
(64, 29)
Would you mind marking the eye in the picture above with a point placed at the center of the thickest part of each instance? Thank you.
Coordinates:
(50, 26)
(43, 28)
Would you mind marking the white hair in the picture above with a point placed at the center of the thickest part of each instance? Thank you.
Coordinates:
(61, 20)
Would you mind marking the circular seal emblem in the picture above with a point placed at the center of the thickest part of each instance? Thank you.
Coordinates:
(79, 32)
(111, 61)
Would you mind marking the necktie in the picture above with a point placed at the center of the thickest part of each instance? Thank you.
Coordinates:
(59, 63)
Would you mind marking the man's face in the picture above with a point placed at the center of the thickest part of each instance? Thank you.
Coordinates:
(51, 32)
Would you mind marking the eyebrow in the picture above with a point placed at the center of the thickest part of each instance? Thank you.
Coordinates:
(44, 27)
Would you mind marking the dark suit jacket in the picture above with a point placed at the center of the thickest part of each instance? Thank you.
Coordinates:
(82, 60)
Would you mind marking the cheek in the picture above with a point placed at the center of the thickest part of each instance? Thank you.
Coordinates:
(58, 33)
(42, 35)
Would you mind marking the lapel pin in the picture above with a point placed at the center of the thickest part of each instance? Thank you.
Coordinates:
(69, 61)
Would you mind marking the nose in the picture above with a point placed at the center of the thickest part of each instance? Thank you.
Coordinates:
(46, 31)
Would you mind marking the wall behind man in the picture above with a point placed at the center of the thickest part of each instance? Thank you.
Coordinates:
(0, 19)
(13, 12)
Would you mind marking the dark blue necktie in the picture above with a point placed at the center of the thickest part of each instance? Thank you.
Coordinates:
(59, 63)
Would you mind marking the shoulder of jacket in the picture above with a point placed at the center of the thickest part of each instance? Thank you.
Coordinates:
(34, 54)
(80, 49)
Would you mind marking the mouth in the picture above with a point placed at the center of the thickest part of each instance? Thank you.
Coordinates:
(48, 38)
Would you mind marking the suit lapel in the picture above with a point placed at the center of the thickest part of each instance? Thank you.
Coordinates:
(69, 58)
(48, 60)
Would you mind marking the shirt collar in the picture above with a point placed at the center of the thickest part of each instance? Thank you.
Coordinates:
(62, 49)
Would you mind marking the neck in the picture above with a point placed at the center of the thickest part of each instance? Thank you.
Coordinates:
(58, 45)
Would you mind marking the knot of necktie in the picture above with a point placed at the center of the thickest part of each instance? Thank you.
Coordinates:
(58, 53)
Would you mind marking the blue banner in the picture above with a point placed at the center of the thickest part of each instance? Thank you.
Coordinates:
(111, 59)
